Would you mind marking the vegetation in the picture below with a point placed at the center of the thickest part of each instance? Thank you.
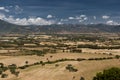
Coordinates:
(71, 68)
(58, 44)
(12, 68)
(82, 78)
(109, 74)
(98, 47)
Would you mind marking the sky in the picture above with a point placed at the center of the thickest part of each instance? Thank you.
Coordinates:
(47, 12)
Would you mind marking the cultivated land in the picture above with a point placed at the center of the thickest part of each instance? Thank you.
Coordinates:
(46, 57)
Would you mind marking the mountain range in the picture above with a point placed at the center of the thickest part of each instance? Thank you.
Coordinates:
(6, 27)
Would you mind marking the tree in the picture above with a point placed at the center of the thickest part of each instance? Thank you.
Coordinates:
(26, 62)
(12, 68)
(110, 74)
(4, 75)
(117, 56)
(1, 65)
(82, 78)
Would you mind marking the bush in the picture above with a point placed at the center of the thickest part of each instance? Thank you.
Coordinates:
(110, 74)
(1, 65)
(71, 68)
(16, 73)
(56, 65)
(12, 68)
(80, 59)
(117, 56)
(1, 71)
(4, 76)
(82, 78)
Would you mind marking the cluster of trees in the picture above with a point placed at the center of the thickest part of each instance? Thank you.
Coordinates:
(97, 47)
(104, 58)
(48, 62)
(39, 52)
(71, 68)
(109, 74)
(65, 59)
(12, 68)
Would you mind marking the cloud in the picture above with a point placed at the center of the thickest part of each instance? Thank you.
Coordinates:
(26, 21)
(94, 17)
(59, 23)
(18, 9)
(4, 9)
(49, 16)
(2, 16)
(105, 17)
(82, 15)
(111, 22)
(81, 21)
(80, 18)
(71, 18)
(64, 20)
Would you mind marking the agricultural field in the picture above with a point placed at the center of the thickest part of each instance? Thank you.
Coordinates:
(57, 57)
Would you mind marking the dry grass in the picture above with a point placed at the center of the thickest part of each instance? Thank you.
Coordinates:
(20, 60)
(86, 69)
(113, 51)
(7, 51)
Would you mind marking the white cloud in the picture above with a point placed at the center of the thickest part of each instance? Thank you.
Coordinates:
(59, 23)
(63, 20)
(82, 15)
(49, 16)
(105, 17)
(111, 22)
(85, 18)
(18, 9)
(81, 21)
(71, 18)
(2, 16)
(4, 9)
(25, 21)
(94, 17)
(80, 18)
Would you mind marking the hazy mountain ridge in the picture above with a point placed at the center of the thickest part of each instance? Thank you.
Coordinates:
(6, 27)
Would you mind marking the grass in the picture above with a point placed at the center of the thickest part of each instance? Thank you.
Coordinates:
(85, 68)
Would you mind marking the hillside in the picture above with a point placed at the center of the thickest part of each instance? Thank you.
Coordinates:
(6, 27)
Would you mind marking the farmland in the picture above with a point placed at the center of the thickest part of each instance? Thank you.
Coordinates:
(48, 57)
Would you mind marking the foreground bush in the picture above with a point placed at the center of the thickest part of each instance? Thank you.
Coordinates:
(110, 74)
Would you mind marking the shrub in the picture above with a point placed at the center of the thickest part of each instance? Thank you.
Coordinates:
(12, 68)
(80, 59)
(36, 63)
(109, 74)
(16, 73)
(26, 62)
(1, 65)
(1, 71)
(56, 65)
(71, 68)
(117, 56)
(4, 75)
(82, 78)
(5, 68)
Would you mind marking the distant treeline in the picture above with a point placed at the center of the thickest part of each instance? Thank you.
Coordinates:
(98, 47)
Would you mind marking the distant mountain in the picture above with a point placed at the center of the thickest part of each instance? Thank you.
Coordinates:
(6, 27)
